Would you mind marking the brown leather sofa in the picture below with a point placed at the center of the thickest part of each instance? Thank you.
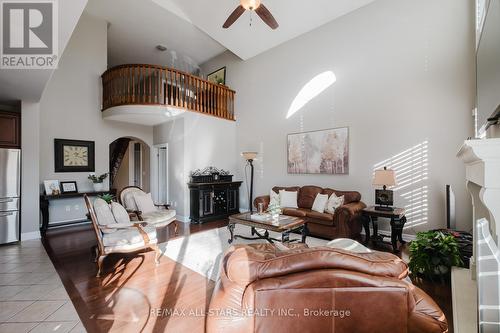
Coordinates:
(345, 223)
(262, 289)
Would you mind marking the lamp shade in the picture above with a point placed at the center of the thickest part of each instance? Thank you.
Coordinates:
(249, 155)
(384, 178)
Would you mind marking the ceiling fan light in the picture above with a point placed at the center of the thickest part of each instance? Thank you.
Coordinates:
(250, 4)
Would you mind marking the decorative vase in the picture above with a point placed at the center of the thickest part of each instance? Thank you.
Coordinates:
(98, 187)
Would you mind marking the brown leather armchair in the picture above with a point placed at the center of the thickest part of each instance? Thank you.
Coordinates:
(321, 289)
(345, 223)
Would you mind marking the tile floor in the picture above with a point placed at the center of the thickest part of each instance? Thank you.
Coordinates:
(32, 297)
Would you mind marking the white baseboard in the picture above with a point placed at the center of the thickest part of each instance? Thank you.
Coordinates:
(30, 235)
(184, 219)
(406, 237)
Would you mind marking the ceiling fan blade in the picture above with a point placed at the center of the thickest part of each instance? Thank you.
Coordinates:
(266, 16)
(234, 16)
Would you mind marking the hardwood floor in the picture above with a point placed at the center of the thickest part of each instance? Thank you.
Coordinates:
(132, 288)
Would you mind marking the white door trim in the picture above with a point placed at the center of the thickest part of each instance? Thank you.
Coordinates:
(156, 171)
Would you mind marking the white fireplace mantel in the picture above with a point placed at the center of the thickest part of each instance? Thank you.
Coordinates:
(482, 171)
(482, 165)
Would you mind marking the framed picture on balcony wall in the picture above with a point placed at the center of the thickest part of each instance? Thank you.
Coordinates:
(74, 155)
(319, 152)
(218, 77)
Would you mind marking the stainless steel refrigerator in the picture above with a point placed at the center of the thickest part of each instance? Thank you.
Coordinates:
(10, 195)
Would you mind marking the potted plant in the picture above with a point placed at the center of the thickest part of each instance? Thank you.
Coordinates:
(107, 197)
(97, 181)
(432, 254)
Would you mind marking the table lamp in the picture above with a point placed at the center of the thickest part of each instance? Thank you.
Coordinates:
(384, 198)
(249, 156)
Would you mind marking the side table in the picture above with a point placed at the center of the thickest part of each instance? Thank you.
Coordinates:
(398, 220)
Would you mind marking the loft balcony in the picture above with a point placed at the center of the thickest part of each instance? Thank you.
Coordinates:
(150, 95)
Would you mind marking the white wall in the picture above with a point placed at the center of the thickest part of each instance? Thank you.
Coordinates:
(70, 109)
(405, 77)
(195, 141)
(172, 133)
(30, 155)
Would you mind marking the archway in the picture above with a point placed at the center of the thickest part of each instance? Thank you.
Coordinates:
(129, 164)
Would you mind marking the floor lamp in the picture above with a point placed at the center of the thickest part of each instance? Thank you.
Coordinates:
(249, 156)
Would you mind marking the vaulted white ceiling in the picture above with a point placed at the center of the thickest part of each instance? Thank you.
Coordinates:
(137, 26)
(28, 84)
(294, 17)
(192, 29)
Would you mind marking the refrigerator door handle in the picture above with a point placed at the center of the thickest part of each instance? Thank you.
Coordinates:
(6, 214)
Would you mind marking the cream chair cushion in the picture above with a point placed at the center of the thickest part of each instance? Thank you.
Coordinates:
(120, 213)
(145, 202)
(160, 217)
(127, 198)
(105, 218)
(127, 239)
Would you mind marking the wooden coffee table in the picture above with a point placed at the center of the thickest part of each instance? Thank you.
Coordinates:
(284, 225)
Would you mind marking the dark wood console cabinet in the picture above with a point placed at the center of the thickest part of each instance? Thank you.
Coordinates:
(213, 201)
(10, 130)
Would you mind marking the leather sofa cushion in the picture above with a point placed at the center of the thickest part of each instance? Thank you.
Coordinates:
(320, 218)
(277, 189)
(294, 212)
(246, 264)
(349, 196)
(307, 194)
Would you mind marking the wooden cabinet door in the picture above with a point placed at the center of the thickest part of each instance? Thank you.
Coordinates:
(207, 203)
(232, 200)
(10, 130)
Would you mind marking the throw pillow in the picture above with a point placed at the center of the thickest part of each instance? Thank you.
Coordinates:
(274, 199)
(120, 213)
(144, 202)
(129, 201)
(320, 202)
(333, 203)
(104, 215)
(288, 199)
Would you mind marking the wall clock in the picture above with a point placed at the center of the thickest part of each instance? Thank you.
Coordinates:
(74, 155)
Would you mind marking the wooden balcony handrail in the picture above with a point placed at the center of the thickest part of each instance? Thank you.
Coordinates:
(136, 84)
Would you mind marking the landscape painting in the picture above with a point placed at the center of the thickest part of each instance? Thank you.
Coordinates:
(319, 152)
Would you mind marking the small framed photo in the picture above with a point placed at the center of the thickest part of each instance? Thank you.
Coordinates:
(52, 187)
(69, 187)
(218, 77)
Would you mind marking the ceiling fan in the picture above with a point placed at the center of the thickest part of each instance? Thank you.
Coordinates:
(252, 5)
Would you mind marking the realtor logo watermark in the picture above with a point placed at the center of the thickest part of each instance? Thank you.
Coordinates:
(29, 34)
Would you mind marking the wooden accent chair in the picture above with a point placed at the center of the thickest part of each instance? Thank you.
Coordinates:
(116, 235)
(158, 216)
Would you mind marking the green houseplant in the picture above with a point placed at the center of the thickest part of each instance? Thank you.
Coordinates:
(432, 254)
(107, 197)
(97, 181)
